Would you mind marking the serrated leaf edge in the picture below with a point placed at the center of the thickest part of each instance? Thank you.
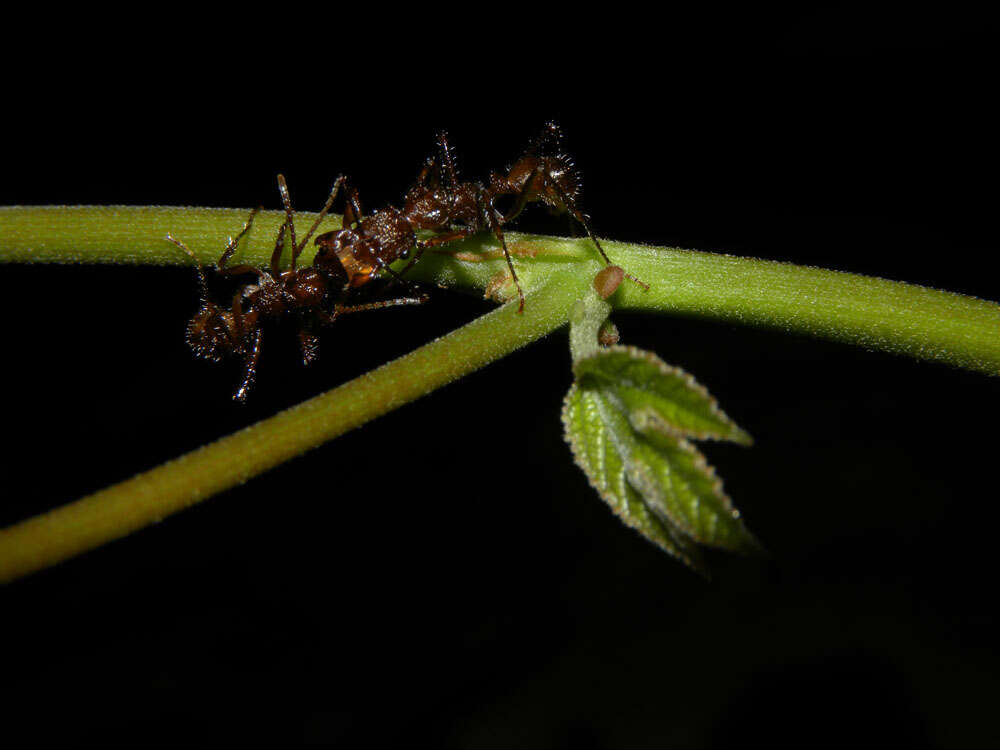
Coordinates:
(736, 434)
(640, 422)
(677, 535)
(646, 486)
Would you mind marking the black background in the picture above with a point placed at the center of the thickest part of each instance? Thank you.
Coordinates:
(403, 582)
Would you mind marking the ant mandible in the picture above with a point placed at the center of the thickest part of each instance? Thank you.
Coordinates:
(311, 294)
(439, 202)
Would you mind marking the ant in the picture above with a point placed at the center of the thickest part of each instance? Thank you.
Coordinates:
(311, 294)
(552, 180)
(440, 203)
(365, 247)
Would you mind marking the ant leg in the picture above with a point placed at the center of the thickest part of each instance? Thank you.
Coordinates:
(279, 247)
(582, 218)
(494, 220)
(398, 276)
(308, 344)
(237, 336)
(297, 249)
(444, 239)
(249, 370)
(430, 167)
(289, 222)
(241, 321)
(352, 211)
(234, 242)
(447, 160)
(339, 309)
(441, 239)
(242, 269)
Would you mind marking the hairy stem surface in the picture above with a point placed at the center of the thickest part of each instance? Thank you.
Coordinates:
(875, 313)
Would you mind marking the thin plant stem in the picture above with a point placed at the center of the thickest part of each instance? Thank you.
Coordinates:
(118, 510)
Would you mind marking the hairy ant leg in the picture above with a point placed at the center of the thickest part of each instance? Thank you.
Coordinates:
(249, 369)
(243, 268)
(298, 247)
(287, 228)
(245, 325)
(495, 221)
(436, 241)
(308, 344)
(352, 209)
(582, 218)
(438, 168)
(339, 309)
(447, 161)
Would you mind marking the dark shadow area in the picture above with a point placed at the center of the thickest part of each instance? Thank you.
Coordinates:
(403, 582)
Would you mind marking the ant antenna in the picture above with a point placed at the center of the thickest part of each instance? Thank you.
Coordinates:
(298, 247)
(337, 184)
(202, 282)
(234, 242)
(582, 218)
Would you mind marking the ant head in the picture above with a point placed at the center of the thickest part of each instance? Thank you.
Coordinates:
(209, 333)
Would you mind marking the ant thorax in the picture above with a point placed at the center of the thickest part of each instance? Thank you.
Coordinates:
(427, 208)
(552, 180)
(382, 238)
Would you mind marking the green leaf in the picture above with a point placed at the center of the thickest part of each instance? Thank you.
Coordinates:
(628, 418)
(596, 454)
(640, 380)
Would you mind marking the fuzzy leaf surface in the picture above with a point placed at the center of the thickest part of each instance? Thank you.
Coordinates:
(640, 380)
(628, 420)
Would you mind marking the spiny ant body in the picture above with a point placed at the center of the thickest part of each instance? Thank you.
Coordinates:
(364, 248)
(439, 202)
(312, 295)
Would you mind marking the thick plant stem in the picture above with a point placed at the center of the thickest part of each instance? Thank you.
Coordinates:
(878, 314)
(123, 508)
(873, 313)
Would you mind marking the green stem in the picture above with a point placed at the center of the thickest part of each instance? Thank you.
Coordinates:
(145, 499)
(875, 313)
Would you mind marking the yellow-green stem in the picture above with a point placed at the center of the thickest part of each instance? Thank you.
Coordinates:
(875, 313)
(130, 505)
